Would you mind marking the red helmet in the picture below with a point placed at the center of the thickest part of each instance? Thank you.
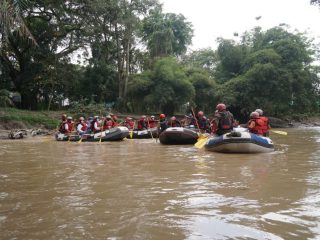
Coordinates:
(254, 115)
(162, 116)
(200, 114)
(173, 118)
(220, 107)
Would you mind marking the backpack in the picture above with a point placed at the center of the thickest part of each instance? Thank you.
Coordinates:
(225, 121)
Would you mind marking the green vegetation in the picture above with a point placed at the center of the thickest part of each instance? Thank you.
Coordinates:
(136, 57)
(29, 118)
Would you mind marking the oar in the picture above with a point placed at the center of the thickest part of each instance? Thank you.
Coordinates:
(150, 129)
(80, 141)
(131, 132)
(279, 132)
(201, 142)
(101, 135)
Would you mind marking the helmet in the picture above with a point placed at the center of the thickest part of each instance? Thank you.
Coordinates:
(95, 117)
(152, 116)
(259, 111)
(81, 119)
(69, 118)
(143, 116)
(108, 117)
(200, 114)
(128, 118)
(220, 107)
(162, 116)
(63, 116)
(254, 115)
(173, 118)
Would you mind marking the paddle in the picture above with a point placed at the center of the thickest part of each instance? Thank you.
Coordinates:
(149, 128)
(279, 132)
(131, 132)
(201, 142)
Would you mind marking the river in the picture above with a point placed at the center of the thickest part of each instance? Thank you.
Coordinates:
(140, 189)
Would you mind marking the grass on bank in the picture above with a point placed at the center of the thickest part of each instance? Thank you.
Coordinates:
(12, 117)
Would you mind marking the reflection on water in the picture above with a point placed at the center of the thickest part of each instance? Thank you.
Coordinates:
(140, 189)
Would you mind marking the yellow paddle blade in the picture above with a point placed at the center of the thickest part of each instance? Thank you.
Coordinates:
(201, 142)
(80, 140)
(279, 132)
(131, 134)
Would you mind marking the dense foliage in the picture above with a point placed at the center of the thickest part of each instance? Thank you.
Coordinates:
(131, 55)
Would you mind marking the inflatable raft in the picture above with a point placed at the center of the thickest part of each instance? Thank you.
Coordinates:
(147, 133)
(178, 135)
(239, 142)
(113, 134)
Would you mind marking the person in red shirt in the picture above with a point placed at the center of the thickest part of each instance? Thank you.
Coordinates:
(142, 123)
(152, 122)
(129, 123)
(108, 123)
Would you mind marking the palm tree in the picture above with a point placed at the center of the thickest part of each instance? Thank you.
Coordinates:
(11, 19)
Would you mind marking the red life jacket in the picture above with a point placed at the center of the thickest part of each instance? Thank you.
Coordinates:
(107, 124)
(83, 127)
(264, 123)
(152, 123)
(129, 124)
(92, 126)
(62, 128)
(257, 127)
(142, 124)
(70, 126)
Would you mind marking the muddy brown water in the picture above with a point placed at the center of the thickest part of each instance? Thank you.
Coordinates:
(140, 189)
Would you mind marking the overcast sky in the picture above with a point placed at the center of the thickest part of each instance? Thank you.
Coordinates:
(222, 18)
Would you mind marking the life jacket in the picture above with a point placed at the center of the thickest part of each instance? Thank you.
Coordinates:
(152, 123)
(83, 127)
(203, 123)
(129, 124)
(257, 127)
(264, 123)
(114, 124)
(108, 124)
(225, 120)
(70, 126)
(142, 124)
(92, 127)
(163, 125)
(62, 128)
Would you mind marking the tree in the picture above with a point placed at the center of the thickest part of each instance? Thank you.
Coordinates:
(166, 34)
(11, 19)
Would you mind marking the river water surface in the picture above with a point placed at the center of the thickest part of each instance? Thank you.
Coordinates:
(140, 189)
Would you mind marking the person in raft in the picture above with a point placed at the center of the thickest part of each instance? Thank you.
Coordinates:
(152, 122)
(142, 123)
(95, 125)
(129, 123)
(222, 121)
(174, 122)
(264, 121)
(82, 126)
(163, 123)
(203, 122)
(62, 123)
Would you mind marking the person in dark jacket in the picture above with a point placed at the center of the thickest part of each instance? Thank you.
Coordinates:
(222, 121)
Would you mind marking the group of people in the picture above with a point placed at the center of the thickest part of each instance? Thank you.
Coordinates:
(91, 125)
(221, 123)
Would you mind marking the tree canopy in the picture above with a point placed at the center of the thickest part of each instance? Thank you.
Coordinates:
(131, 53)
